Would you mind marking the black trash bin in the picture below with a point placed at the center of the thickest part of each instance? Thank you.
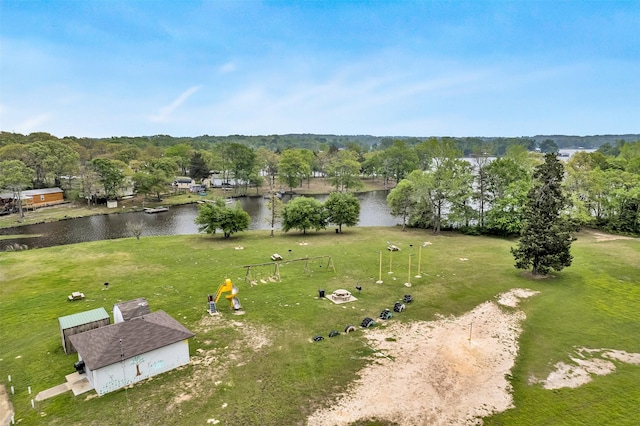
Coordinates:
(321, 293)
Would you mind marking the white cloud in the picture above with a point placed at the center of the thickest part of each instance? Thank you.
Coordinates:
(166, 111)
(227, 68)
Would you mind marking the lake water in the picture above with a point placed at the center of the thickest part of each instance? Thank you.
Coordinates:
(179, 220)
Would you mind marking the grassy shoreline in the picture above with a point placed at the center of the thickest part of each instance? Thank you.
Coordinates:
(594, 303)
(72, 210)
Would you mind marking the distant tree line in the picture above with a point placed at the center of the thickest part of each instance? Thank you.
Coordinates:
(487, 195)
(435, 187)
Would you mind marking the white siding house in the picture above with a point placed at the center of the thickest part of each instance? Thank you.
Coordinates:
(120, 354)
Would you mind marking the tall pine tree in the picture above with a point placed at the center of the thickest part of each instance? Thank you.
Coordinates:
(545, 240)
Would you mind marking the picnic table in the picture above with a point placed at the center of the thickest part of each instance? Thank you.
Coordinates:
(76, 295)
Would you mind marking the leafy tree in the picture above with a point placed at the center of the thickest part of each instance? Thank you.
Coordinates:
(481, 196)
(89, 179)
(425, 152)
(507, 184)
(524, 158)
(310, 159)
(506, 216)
(579, 183)
(16, 176)
(38, 153)
(293, 167)
(110, 174)
(217, 215)
(342, 208)
(304, 213)
(548, 145)
(256, 180)
(610, 150)
(357, 149)
(447, 184)
(243, 163)
(373, 164)
(182, 154)
(16, 151)
(545, 241)
(223, 160)
(400, 160)
(198, 168)
(624, 202)
(401, 200)
(322, 160)
(344, 171)
(630, 154)
(127, 154)
(459, 192)
(434, 153)
(268, 162)
(155, 176)
(51, 159)
(598, 199)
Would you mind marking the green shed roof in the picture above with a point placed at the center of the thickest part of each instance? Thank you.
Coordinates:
(80, 318)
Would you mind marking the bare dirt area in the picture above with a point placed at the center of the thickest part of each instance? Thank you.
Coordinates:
(601, 236)
(586, 363)
(450, 371)
(6, 409)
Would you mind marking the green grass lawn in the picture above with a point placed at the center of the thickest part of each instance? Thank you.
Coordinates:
(595, 303)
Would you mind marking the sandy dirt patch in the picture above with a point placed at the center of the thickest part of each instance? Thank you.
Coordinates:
(585, 364)
(445, 372)
(6, 408)
(601, 236)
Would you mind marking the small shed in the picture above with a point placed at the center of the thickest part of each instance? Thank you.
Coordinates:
(121, 354)
(81, 322)
(124, 311)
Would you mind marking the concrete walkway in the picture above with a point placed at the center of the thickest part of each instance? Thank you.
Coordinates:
(51, 392)
(77, 383)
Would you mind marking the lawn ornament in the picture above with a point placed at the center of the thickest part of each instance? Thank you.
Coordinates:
(349, 328)
(367, 322)
(386, 314)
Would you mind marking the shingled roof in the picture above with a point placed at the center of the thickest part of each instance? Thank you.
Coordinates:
(133, 308)
(113, 343)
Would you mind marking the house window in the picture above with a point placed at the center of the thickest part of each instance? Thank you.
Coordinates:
(42, 198)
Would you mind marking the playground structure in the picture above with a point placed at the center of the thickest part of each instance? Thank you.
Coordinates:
(252, 275)
(226, 287)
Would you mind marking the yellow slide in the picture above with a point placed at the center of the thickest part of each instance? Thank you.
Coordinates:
(227, 287)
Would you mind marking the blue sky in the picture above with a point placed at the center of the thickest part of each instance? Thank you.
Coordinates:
(385, 68)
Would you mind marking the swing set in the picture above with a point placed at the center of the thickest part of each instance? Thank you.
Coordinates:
(253, 275)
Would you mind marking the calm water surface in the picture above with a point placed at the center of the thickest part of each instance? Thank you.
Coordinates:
(179, 220)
